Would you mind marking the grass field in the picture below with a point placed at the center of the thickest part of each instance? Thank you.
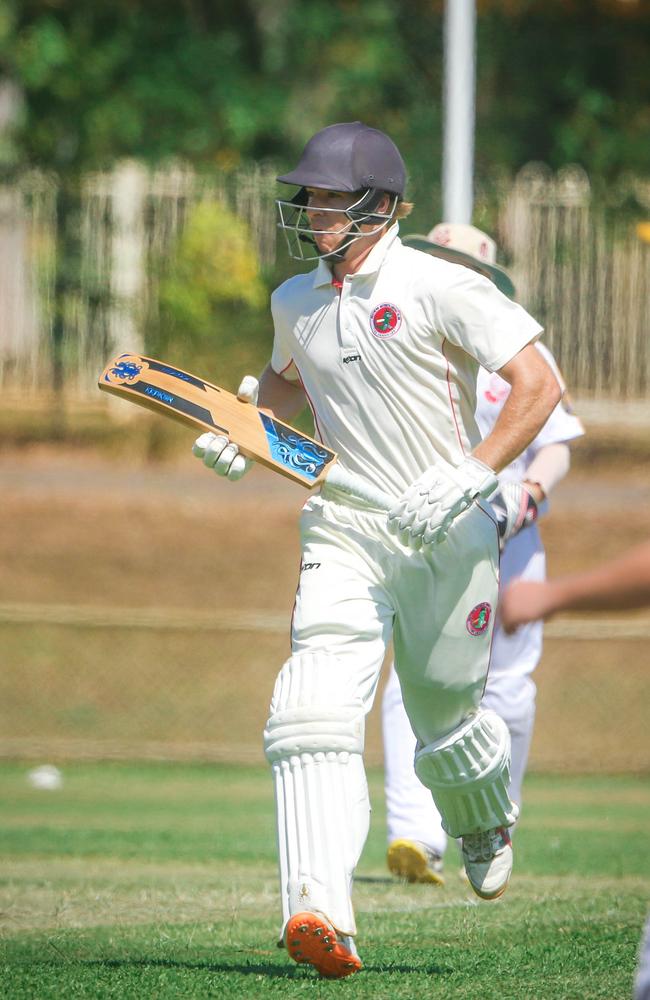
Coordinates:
(159, 881)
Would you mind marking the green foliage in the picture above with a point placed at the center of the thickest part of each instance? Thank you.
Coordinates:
(240, 80)
(212, 302)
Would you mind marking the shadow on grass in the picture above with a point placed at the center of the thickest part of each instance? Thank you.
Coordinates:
(249, 969)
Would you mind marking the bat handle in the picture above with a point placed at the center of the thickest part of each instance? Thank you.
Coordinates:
(357, 487)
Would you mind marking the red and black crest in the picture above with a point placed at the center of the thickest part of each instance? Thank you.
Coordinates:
(479, 618)
(385, 320)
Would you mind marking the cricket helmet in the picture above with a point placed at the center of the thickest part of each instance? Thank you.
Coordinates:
(348, 157)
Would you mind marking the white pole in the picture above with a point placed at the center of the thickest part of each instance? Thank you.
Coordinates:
(459, 89)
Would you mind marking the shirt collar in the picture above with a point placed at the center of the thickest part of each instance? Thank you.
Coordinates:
(372, 263)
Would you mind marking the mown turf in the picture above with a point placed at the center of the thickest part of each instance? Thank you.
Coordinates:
(159, 881)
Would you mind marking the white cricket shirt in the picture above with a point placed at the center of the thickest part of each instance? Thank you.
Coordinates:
(389, 365)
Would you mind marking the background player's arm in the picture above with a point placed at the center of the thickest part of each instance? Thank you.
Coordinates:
(517, 504)
(619, 584)
(549, 466)
(282, 398)
(534, 394)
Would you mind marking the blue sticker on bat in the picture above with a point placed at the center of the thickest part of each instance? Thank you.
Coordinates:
(123, 371)
(290, 448)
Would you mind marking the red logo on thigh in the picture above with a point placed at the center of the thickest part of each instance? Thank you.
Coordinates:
(479, 618)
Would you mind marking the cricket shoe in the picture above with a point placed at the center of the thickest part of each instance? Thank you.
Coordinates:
(310, 939)
(488, 861)
(415, 862)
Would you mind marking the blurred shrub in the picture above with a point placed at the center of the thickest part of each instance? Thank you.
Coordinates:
(210, 314)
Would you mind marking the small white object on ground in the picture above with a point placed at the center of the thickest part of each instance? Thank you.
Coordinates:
(47, 777)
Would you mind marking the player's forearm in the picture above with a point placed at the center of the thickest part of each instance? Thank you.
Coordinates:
(534, 394)
(281, 398)
(621, 583)
(524, 414)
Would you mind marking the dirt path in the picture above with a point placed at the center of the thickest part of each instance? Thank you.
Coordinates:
(82, 527)
(75, 474)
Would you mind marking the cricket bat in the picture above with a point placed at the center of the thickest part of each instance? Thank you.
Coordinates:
(173, 393)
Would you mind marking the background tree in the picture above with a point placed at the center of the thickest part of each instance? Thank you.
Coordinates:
(223, 84)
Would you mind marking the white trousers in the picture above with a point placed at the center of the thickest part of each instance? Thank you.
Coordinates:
(510, 692)
(359, 587)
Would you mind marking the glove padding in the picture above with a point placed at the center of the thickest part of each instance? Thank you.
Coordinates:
(425, 511)
(217, 451)
(515, 508)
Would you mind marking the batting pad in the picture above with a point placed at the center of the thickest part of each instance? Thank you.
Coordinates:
(314, 740)
(468, 773)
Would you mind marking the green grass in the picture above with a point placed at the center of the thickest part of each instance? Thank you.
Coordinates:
(159, 881)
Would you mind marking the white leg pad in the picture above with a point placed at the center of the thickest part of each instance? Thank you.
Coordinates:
(314, 741)
(468, 772)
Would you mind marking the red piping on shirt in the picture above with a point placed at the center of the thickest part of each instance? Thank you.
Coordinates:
(285, 368)
(451, 398)
(311, 405)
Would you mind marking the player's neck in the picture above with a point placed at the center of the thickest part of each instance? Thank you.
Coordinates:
(355, 256)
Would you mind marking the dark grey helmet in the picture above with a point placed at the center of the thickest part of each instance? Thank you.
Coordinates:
(350, 156)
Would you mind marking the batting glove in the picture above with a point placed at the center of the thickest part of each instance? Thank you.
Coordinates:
(515, 508)
(426, 510)
(217, 451)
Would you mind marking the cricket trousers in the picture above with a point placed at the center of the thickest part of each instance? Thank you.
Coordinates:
(358, 588)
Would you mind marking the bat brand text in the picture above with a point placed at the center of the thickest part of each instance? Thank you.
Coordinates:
(164, 397)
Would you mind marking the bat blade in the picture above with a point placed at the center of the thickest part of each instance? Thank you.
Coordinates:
(196, 403)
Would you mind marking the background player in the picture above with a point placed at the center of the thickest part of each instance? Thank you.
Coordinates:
(416, 839)
(619, 584)
(385, 343)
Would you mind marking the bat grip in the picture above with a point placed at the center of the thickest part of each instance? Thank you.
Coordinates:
(357, 487)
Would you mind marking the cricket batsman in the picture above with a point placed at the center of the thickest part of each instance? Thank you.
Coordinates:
(384, 342)
(416, 838)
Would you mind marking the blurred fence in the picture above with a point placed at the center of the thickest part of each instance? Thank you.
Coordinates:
(83, 682)
(578, 264)
(583, 271)
(129, 221)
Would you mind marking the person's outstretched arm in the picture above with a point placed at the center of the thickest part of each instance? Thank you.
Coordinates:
(621, 583)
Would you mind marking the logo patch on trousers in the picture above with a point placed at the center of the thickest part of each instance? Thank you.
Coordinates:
(479, 618)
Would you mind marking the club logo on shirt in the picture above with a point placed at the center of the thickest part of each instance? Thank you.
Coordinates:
(385, 321)
(479, 618)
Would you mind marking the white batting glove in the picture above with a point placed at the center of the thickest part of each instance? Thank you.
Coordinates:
(217, 451)
(515, 509)
(427, 508)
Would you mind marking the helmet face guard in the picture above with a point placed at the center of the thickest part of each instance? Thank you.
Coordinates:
(299, 233)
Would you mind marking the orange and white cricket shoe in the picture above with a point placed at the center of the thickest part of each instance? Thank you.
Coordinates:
(310, 939)
(488, 861)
